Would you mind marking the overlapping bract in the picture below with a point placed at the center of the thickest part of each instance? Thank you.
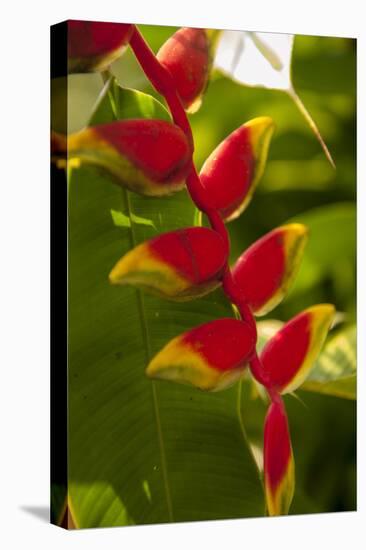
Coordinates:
(279, 470)
(187, 55)
(265, 271)
(232, 171)
(180, 265)
(148, 156)
(210, 357)
(289, 355)
(93, 46)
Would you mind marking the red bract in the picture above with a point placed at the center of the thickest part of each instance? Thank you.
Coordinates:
(93, 46)
(279, 474)
(265, 271)
(289, 355)
(150, 157)
(211, 357)
(187, 57)
(179, 265)
(232, 171)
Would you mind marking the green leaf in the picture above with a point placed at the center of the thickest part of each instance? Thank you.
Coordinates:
(334, 372)
(122, 220)
(142, 451)
(117, 102)
(331, 248)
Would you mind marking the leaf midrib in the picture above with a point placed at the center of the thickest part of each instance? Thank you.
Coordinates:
(146, 340)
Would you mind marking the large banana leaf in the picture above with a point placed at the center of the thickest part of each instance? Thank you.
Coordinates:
(141, 451)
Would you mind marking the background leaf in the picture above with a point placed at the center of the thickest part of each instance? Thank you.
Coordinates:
(331, 250)
(334, 372)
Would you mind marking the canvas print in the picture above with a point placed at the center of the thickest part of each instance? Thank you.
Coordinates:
(203, 274)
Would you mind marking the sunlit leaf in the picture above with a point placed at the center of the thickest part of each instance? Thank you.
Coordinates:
(115, 101)
(263, 59)
(334, 373)
(122, 220)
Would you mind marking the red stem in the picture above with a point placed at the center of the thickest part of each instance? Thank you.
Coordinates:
(163, 82)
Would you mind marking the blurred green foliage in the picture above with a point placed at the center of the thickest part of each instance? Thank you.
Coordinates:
(298, 183)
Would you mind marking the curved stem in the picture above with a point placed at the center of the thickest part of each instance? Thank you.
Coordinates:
(163, 82)
(257, 370)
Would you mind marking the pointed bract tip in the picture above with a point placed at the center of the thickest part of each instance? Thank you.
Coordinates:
(295, 239)
(298, 229)
(261, 131)
(323, 310)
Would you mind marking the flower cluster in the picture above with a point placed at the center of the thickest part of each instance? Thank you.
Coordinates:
(154, 157)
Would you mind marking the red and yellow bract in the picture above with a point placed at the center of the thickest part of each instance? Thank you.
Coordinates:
(265, 271)
(289, 355)
(148, 156)
(179, 265)
(210, 357)
(232, 171)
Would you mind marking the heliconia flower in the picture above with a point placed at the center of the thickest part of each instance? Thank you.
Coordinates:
(188, 57)
(180, 265)
(210, 357)
(148, 156)
(232, 171)
(279, 469)
(93, 46)
(289, 355)
(265, 271)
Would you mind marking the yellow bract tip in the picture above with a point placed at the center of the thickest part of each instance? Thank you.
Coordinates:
(322, 310)
(298, 229)
(295, 239)
(261, 130)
